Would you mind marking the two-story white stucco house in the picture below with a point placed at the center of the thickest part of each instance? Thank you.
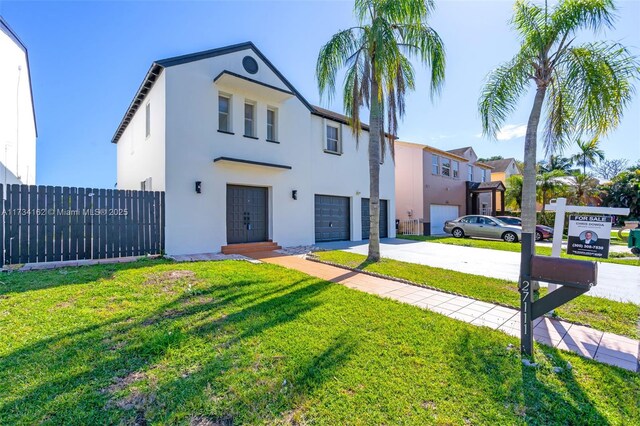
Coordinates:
(243, 157)
(17, 115)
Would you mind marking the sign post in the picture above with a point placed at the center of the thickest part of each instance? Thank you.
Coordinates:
(561, 208)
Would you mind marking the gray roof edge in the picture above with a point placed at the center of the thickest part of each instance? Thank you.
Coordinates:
(12, 35)
(132, 107)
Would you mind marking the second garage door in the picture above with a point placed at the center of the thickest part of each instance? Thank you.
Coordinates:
(439, 215)
(332, 218)
(384, 224)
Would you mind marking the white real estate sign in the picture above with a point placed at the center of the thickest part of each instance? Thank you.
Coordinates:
(589, 235)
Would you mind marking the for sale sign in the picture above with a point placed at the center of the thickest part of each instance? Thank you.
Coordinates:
(589, 235)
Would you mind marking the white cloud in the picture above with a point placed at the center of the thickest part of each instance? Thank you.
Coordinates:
(511, 131)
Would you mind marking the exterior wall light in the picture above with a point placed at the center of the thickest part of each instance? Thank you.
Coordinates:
(294, 194)
(198, 187)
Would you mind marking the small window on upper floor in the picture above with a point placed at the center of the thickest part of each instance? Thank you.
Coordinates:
(250, 119)
(446, 167)
(224, 113)
(147, 120)
(272, 124)
(470, 173)
(484, 175)
(455, 166)
(333, 139)
(435, 164)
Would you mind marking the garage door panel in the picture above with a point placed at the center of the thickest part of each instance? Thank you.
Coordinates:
(384, 220)
(439, 215)
(332, 218)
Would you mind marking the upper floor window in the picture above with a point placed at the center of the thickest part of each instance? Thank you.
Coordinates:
(250, 119)
(446, 167)
(484, 175)
(224, 113)
(147, 125)
(435, 165)
(470, 173)
(272, 117)
(333, 139)
(456, 169)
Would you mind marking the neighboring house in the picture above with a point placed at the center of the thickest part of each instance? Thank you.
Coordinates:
(243, 157)
(503, 170)
(17, 115)
(434, 186)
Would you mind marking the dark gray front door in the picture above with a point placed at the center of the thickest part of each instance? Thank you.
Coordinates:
(332, 218)
(246, 214)
(384, 224)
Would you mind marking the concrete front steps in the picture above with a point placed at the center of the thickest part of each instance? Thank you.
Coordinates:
(250, 248)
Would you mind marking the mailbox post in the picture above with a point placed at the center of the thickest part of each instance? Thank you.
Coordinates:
(575, 278)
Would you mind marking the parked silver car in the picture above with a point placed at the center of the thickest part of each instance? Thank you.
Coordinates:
(483, 227)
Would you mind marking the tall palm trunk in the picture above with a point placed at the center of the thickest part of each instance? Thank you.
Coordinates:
(529, 175)
(529, 188)
(375, 131)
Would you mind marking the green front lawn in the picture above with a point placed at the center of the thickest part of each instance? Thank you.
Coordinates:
(603, 314)
(220, 343)
(515, 247)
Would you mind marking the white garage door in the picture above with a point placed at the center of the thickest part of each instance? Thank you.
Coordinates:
(439, 215)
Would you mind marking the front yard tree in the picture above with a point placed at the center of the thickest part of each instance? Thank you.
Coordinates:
(608, 169)
(378, 74)
(549, 185)
(584, 187)
(589, 153)
(556, 162)
(624, 191)
(513, 193)
(579, 88)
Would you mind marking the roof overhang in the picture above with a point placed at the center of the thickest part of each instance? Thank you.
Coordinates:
(148, 82)
(235, 82)
(484, 166)
(485, 186)
(239, 161)
(433, 150)
(5, 28)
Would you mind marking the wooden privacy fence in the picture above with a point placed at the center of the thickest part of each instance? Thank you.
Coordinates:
(47, 223)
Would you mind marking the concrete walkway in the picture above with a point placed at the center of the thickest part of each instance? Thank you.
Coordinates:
(607, 348)
(615, 282)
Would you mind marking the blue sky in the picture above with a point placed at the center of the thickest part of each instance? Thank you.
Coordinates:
(88, 59)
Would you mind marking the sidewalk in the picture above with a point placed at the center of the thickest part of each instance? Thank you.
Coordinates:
(615, 282)
(605, 347)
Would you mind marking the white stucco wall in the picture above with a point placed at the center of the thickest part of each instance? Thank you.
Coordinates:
(17, 121)
(347, 175)
(140, 157)
(196, 223)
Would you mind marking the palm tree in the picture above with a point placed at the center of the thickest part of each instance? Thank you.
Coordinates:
(584, 87)
(550, 184)
(378, 74)
(513, 193)
(556, 162)
(584, 188)
(590, 153)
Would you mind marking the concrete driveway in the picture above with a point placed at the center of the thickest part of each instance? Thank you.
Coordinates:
(615, 282)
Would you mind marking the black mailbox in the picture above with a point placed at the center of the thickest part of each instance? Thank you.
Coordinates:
(574, 273)
(575, 277)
